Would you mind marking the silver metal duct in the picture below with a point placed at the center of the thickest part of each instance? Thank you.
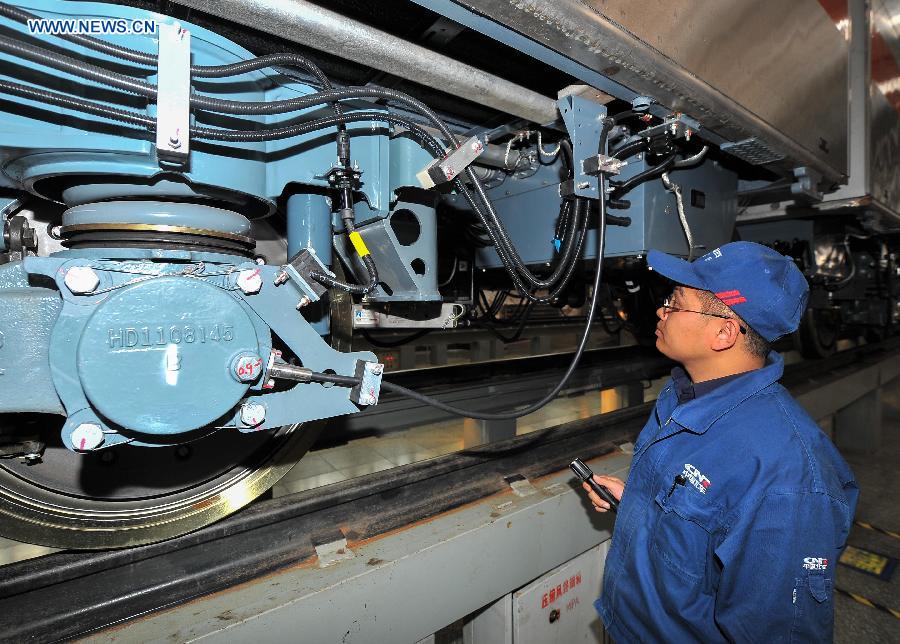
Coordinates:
(313, 26)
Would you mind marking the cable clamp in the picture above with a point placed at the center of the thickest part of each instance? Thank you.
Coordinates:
(602, 164)
(369, 374)
(443, 170)
(173, 113)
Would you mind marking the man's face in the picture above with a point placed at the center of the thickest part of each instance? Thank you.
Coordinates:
(682, 335)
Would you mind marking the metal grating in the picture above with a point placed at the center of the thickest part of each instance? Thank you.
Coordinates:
(753, 151)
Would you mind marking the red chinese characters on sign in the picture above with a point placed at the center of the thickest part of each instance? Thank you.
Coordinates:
(560, 590)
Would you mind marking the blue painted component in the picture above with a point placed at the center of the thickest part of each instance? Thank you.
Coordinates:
(305, 401)
(83, 158)
(584, 120)
(529, 209)
(309, 225)
(180, 352)
(654, 212)
(404, 248)
(27, 316)
(159, 213)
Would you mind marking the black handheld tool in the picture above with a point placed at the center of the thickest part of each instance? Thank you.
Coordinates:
(585, 474)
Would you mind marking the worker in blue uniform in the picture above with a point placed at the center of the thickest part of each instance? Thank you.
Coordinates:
(737, 506)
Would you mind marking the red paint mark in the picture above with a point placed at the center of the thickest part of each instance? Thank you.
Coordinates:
(83, 441)
(725, 294)
(736, 300)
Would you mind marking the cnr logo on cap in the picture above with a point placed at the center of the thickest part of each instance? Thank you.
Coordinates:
(714, 254)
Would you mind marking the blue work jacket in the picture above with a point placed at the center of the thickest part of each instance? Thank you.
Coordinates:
(735, 512)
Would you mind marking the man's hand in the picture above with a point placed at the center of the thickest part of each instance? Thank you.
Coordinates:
(611, 483)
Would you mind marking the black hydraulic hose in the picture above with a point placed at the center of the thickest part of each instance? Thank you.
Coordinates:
(333, 378)
(356, 289)
(594, 306)
(76, 67)
(621, 204)
(132, 55)
(142, 88)
(630, 149)
(612, 220)
(389, 386)
(496, 230)
(500, 230)
(642, 177)
(198, 71)
(507, 252)
(75, 103)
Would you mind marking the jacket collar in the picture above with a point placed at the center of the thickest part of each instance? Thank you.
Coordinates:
(698, 415)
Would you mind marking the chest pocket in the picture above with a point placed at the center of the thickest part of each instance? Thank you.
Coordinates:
(682, 532)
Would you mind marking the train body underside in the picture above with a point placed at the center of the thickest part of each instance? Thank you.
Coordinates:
(203, 210)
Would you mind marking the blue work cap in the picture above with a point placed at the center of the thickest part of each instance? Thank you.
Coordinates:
(761, 285)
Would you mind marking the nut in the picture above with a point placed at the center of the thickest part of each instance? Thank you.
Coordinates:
(249, 281)
(87, 437)
(82, 280)
(247, 367)
(253, 414)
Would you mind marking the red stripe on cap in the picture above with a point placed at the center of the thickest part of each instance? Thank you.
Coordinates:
(725, 294)
(734, 300)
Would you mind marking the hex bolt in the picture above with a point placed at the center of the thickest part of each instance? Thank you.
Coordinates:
(303, 302)
(281, 278)
(249, 281)
(82, 280)
(584, 185)
(253, 413)
(87, 437)
(246, 367)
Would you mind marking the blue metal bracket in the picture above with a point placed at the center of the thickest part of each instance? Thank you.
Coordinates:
(584, 121)
(305, 401)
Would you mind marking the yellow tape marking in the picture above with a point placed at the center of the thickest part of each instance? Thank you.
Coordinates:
(359, 244)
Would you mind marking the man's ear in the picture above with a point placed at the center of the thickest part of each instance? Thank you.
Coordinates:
(727, 333)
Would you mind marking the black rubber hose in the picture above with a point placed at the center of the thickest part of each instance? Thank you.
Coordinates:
(198, 71)
(612, 220)
(356, 289)
(142, 88)
(507, 252)
(497, 232)
(389, 386)
(621, 204)
(630, 149)
(132, 55)
(75, 103)
(595, 299)
(76, 67)
(500, 237)
(344, 381)
(642, 177)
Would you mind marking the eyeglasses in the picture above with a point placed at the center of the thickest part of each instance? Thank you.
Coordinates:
(668, 307)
